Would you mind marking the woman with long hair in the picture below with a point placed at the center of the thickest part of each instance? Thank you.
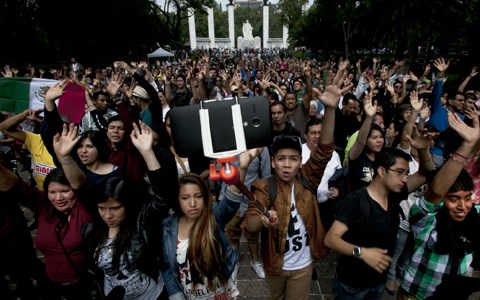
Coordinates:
(93, 152)
(393, 133)
(369, 142)
(199, 261)
(118, 241)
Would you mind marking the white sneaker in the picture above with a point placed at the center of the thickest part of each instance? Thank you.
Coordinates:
(258, 267)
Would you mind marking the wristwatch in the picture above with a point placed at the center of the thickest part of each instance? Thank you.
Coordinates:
(357, 251)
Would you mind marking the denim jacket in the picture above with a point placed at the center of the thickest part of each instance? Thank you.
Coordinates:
(224, 211)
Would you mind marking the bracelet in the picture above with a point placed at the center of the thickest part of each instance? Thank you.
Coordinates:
(462, 156)
(455, 159)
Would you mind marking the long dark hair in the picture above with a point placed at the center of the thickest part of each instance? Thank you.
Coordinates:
(100, 141)
(117, 188)
(205, 249)
(56, 175)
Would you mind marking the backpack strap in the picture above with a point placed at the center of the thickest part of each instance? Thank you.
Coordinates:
(308, 185)
(272, 189)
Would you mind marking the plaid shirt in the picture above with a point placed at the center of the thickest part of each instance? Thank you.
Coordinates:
(426, 268)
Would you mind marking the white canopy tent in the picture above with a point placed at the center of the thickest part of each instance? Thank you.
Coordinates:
(160, 52)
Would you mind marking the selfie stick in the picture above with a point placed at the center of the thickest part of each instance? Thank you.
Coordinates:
(228, 172)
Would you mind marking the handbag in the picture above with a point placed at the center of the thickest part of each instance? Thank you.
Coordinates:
(58, 230)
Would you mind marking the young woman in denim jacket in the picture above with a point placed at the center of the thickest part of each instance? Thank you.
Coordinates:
(199, 261)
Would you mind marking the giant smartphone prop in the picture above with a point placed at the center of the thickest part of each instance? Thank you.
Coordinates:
(220, 116)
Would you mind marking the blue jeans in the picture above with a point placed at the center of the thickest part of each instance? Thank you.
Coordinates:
(345, 292)
(398, 259)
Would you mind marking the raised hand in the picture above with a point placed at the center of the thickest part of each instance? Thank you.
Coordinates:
(247, 156)
(64, 143)
(371, 82)
(124, 65)
(471, 113)
(421, 140)
(331, 96)
(307, 71)
(424, 112)
(427, 68)
(369, 107)
(413, 77)
(56, 91)
(8, 71)
(343, 65)
(265, 84)
(416, 103)
(389, 88)
(441, 65)
(32, 115)
(474, 72)
(468, 134)
(142, 137)
(115, 83)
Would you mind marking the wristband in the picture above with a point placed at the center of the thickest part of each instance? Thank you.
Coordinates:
(461, 155)
(455, 159)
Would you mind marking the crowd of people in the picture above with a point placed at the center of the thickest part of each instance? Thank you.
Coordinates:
(365, 159)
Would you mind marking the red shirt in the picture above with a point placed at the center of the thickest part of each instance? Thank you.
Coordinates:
(57, 264)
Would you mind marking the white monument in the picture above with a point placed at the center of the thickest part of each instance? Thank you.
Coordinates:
(247, 40)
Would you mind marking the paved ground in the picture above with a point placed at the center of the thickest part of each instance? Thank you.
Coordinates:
(252, 287)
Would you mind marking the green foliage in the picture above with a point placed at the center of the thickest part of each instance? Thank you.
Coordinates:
(333, 25)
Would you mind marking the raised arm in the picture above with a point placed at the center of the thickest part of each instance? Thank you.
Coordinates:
(52, 123)
(472, 74)
(307, 71)
(408, 129)
(63, 145)
(330, 99)
(142, 139)
(447, 175)
(342, 66)
(9, 126)
(421, 142)
(245, 159)
(370, 110)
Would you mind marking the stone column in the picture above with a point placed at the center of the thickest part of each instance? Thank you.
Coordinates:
(211, 27)
(231, 25)
(285, 37)
(266, 26)
(192, 29)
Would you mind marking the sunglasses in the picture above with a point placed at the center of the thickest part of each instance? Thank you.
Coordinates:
(291, 138)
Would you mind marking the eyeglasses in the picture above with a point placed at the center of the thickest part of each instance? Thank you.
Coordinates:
(400, 172)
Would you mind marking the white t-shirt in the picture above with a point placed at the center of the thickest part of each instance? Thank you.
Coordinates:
(201, 291)
(297, 250)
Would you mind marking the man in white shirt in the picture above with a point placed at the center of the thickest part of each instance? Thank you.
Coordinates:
(324, 193)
